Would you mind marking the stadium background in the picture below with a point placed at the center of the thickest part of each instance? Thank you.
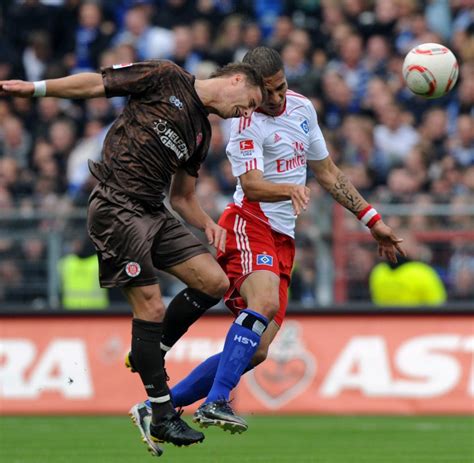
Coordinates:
(338, 353)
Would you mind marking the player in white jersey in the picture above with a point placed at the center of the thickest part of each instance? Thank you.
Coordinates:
(279, 148)
(269, 154)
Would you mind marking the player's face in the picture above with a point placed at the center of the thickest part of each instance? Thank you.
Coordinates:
(276, 87)
(239, 98)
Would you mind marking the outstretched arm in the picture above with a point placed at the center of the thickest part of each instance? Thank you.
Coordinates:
(184, 201)
(77, 86)
(333, 180)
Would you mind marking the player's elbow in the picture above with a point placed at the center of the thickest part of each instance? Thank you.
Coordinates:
(97, 91)
(251, 193)
(251, 197)
(178, 203)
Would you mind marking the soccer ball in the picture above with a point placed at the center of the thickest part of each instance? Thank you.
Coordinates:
(430, 70)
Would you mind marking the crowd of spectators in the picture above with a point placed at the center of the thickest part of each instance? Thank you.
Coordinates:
(345, 55)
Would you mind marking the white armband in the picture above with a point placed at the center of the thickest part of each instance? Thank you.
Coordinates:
(40, 88)
(369, 216)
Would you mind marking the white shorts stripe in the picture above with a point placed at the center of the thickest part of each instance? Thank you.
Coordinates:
(247, 247)
(239, 244)
(245, 256)
(243, 244)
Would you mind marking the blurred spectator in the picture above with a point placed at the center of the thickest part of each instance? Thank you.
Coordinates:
(461, 146)
(15, 142)
(37, 56)
(377, 97)
(393, 137)
(419, 221)
(227, 181)
(377, 57)
(438, 18)
(11, 282)
(409, 282)
(150, 42)
(62, 136)
(23, 108)
(416, 163)
(91, 38)
(303, 277)
(360, 263)
(217, 145)
(183, 54)
(434, 129)
(210, 196)
(204, 69)
(79, 274)
(346, 56)
(228, 40)
(468, 180)
(48, 111)
(296, 65)
(338, 100)
(89, 147)
(172, 13)
(301, 39)
(34, 268)
(358, 141)
(461, 272)
(211, 11)
(26, 18)
(251, 38)
(351, 67)
(460, 219)
(266, 12)
(403, 185)
(201, 40)
(281, 32)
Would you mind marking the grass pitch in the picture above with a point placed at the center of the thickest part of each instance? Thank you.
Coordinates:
(276, 439)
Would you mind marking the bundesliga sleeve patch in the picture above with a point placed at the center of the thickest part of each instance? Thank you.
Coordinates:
(246, 145)
(264, 259)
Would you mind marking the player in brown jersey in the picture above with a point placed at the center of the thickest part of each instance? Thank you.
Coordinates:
(158, 142)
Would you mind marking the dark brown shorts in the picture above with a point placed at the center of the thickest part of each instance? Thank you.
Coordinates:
(132, 241)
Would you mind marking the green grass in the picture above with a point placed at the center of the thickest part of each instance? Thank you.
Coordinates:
(277, 439)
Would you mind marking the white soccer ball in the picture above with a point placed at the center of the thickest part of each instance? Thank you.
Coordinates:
(430, 70)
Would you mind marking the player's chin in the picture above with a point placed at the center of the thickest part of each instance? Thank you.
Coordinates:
(272, 110)
(225, 115)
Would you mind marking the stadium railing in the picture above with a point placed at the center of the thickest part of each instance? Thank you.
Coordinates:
(29, 279)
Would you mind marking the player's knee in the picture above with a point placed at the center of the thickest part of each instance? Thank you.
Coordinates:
(268, 307)
(149, 305)
(216, 285)
(154, 311)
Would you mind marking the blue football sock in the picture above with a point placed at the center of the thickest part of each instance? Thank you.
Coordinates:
(241, 342)
(197, 384)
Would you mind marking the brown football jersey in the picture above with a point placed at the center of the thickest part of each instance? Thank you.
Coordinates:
(162, 128)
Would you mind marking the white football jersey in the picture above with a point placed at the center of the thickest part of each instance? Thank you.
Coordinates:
(279, 147)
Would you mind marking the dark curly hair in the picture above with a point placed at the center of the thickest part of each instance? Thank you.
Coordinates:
(267, 61)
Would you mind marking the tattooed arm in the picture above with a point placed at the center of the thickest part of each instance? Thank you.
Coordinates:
(333, 180)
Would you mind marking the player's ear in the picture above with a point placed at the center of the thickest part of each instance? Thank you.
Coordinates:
(236, 79)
